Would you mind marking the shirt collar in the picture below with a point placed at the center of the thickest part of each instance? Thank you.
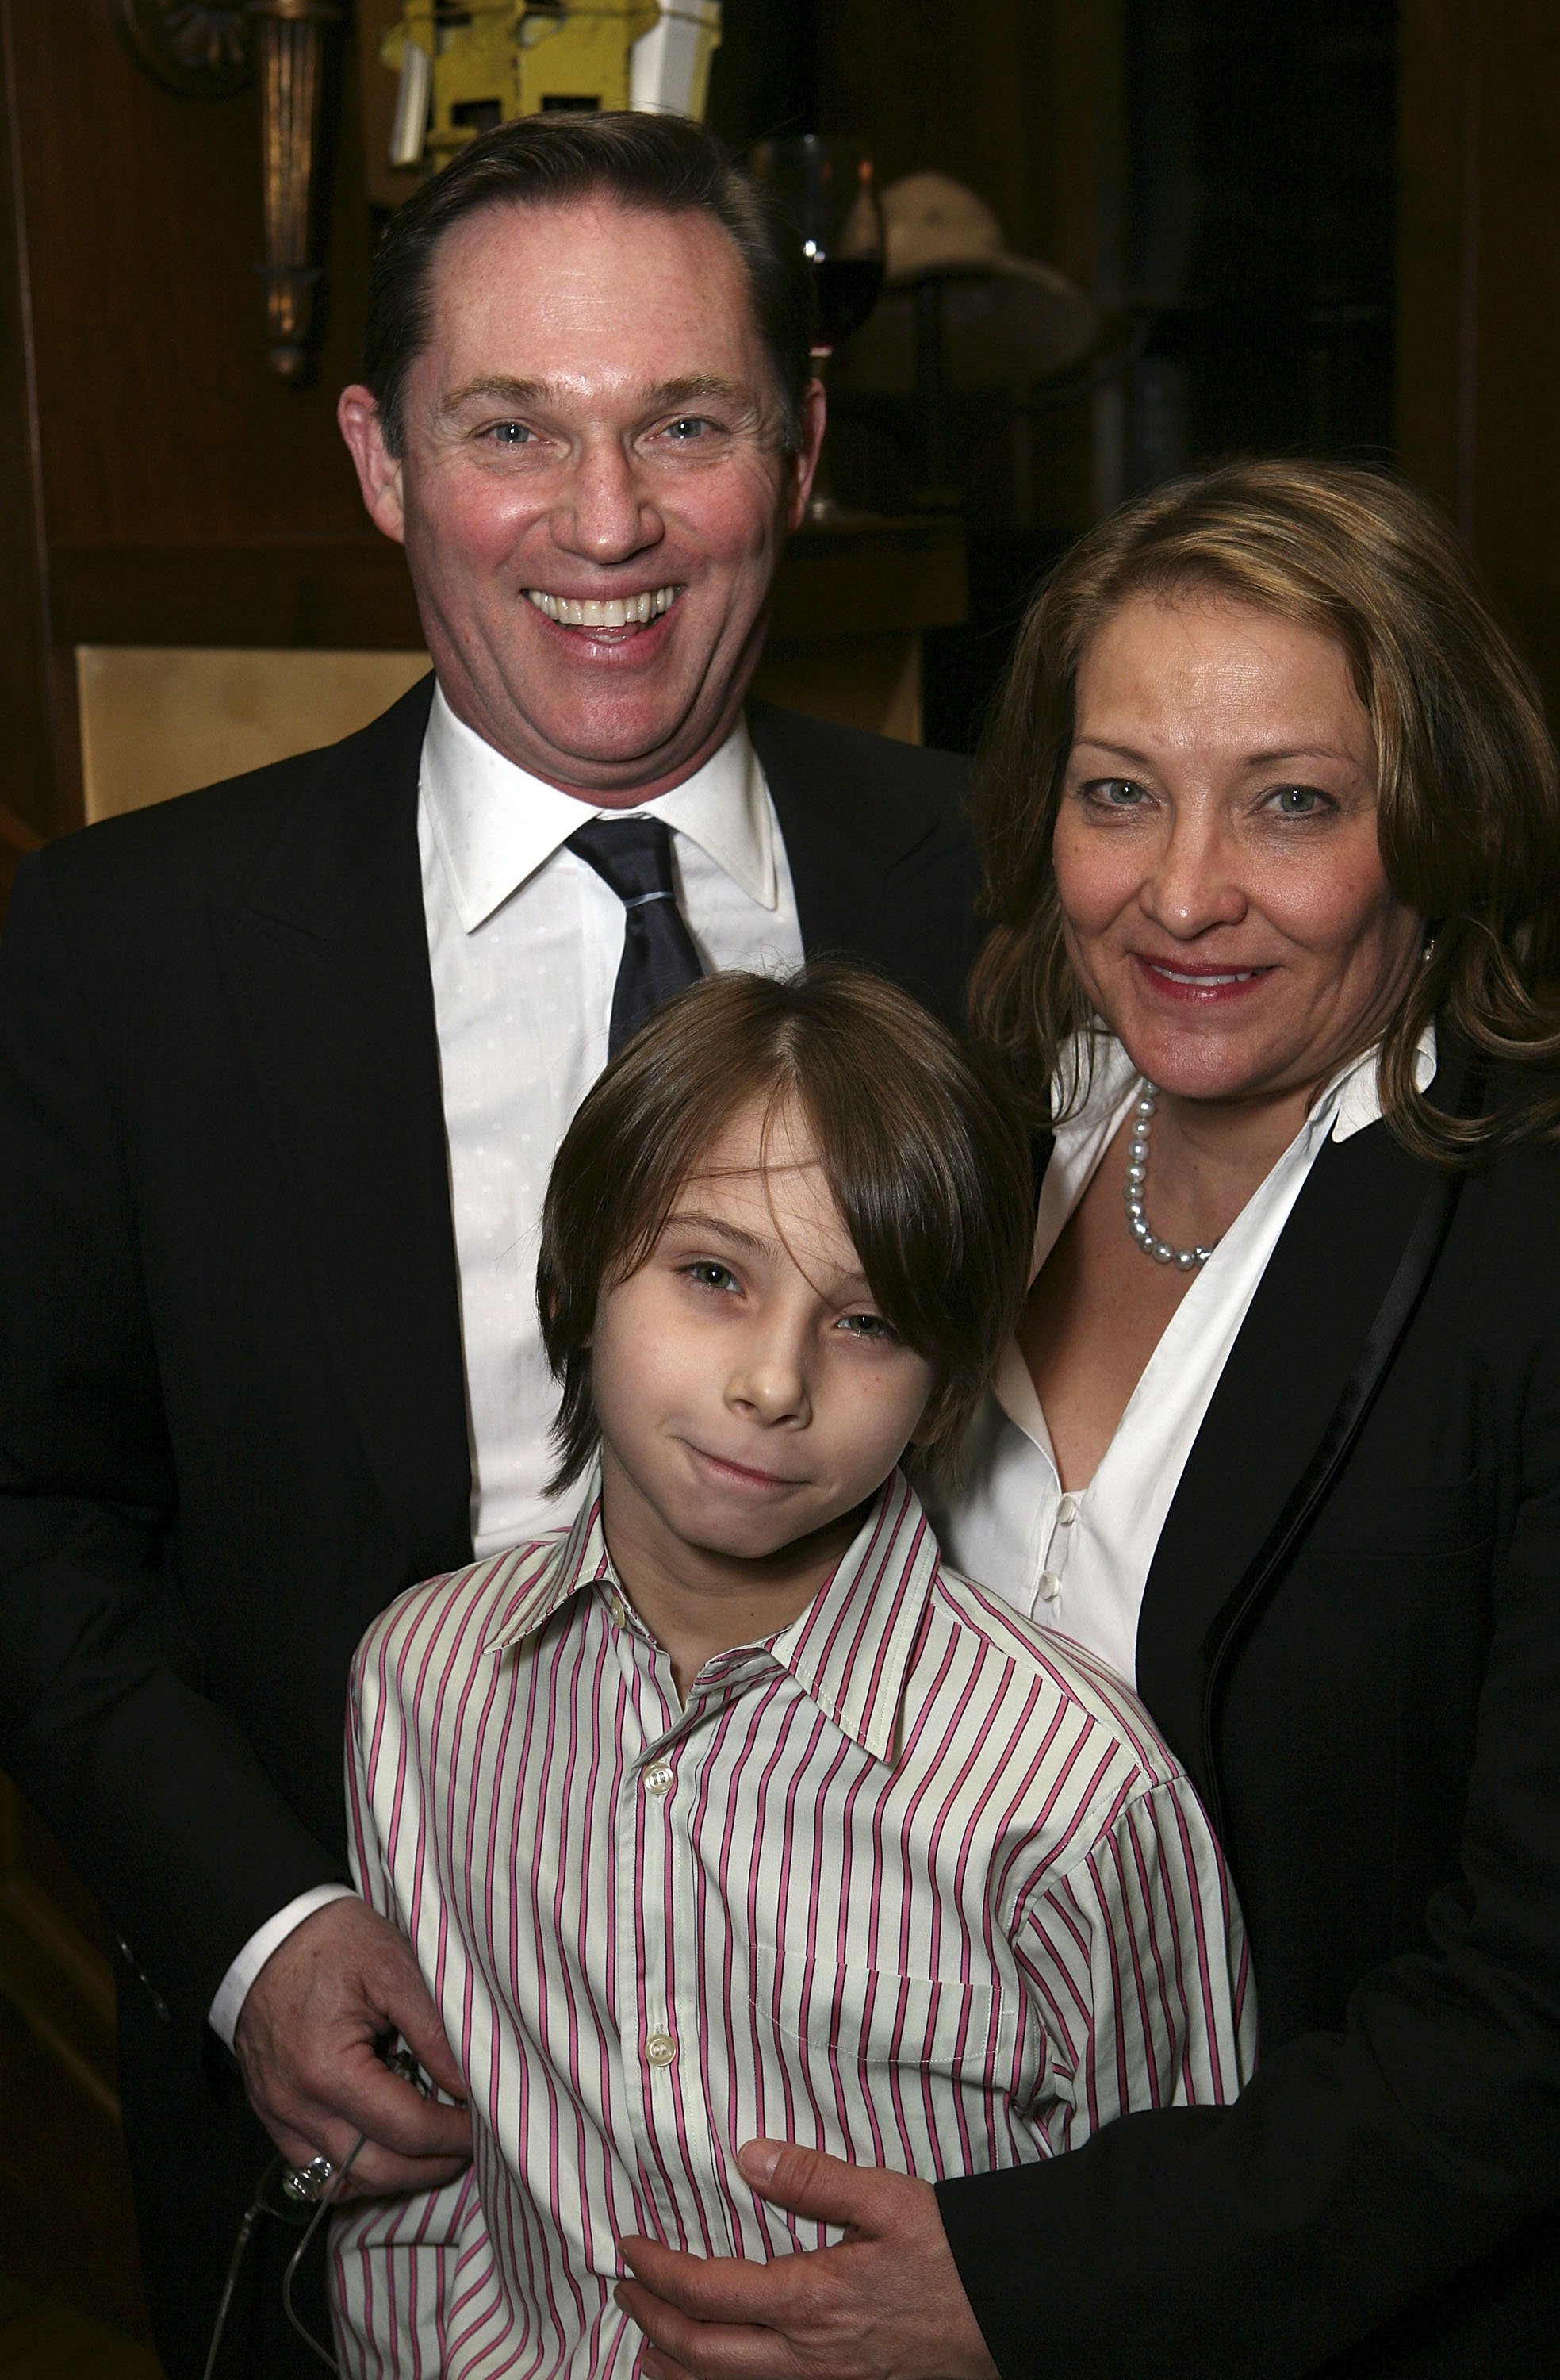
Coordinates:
(578, 1557)
(1356, 1091)
(849, 1652)
(494, 824)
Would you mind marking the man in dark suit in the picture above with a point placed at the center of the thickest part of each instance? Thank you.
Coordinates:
(282, 1066)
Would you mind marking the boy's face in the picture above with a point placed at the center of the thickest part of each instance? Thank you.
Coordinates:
(749, 1393)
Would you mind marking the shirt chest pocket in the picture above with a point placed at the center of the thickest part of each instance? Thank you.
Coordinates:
(843, 2027)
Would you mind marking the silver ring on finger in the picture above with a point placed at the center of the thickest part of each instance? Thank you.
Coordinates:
(304, 2183)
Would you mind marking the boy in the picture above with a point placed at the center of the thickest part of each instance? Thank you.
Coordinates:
(728, 1811)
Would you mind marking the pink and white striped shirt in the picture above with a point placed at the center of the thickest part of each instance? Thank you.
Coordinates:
(913, 1881)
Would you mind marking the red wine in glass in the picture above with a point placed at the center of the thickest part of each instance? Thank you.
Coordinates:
(845, 290)
(826, 185)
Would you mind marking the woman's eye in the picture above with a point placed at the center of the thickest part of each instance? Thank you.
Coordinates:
(1298, 801)
(707, 1274)
(1114, 793)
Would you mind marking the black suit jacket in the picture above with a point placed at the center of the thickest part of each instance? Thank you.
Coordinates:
(232, 1412)
(1372, 1715)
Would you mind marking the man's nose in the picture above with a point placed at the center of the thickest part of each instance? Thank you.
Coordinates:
(607, 513)
(1195, 879)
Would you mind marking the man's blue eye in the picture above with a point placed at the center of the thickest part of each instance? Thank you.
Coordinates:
(688, 428)
(509, 433)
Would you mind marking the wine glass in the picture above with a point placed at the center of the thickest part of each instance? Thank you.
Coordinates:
(826, 183)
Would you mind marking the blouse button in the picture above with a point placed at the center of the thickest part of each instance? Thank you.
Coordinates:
(1050, 1585)
(658, 1779)
(661, 2049)
(1067, 1511)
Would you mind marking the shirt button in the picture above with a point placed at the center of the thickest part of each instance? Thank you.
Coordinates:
(658, 1779)
(1067, 1511)
(1050, 1585)
(661, 2049)
(618, 1608)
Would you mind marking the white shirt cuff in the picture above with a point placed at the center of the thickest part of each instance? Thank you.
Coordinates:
(234, 1990)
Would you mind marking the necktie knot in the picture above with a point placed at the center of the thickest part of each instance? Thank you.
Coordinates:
(632, 856)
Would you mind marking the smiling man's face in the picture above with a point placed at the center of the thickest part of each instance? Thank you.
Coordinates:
(593, 488)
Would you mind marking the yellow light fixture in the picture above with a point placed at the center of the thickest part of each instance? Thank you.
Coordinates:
(466, 68)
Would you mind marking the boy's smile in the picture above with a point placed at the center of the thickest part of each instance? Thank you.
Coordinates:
(751, 1397)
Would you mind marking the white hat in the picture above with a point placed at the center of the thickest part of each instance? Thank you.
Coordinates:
(1006, 320)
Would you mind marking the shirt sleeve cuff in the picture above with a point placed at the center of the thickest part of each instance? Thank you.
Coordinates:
(232, 1992)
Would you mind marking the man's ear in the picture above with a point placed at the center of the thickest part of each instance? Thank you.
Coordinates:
(378, 471)
(805, 462)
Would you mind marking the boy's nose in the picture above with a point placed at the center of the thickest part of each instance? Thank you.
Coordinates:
(771, 1383)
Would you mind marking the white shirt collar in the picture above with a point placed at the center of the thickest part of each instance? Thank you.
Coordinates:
(494, 824)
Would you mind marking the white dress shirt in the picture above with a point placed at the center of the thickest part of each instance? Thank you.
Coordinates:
(1079, 1561)
(909, 1881)
(523, 940)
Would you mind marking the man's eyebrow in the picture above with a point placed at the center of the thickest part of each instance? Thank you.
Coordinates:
(498, 388)
(665, 396)
(700, 387)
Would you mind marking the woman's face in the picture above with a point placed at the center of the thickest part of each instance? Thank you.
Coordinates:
(1224, 899)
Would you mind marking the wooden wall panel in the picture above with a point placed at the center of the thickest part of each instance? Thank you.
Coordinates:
(1479, 345)
(160, 423)
(1019, 101)
(157, 483)
(27, 792)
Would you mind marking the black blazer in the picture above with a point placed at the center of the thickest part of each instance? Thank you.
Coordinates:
(1371, 1706)
(232, 1412)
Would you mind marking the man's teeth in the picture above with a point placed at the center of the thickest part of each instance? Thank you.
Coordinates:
(617, 612)
(1242, 974)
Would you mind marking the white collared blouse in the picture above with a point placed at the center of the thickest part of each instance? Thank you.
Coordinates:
(1078, 1561)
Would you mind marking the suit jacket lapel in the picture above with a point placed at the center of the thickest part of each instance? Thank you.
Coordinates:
(1292, 1363)
(882, 861)
(329, 973)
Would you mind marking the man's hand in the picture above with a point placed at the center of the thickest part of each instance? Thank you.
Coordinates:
(305, 2043)
(885, 2304)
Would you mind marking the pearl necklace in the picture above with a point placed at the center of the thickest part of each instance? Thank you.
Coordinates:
(1137, 1175)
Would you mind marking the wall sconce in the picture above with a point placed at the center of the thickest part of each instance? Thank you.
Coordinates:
(211, 49)
(292, 34)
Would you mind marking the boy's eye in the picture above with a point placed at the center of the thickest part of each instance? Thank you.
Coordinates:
(868, 1326)
(707, 1274)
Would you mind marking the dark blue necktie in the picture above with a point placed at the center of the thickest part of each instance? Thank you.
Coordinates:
(634, 856)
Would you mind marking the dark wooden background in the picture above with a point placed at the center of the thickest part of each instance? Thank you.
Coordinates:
(1317, 226)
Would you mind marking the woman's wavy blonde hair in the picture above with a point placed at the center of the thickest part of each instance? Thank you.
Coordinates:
(1469, 795)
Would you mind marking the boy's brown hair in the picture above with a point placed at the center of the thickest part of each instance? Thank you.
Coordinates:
(931, 1175)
